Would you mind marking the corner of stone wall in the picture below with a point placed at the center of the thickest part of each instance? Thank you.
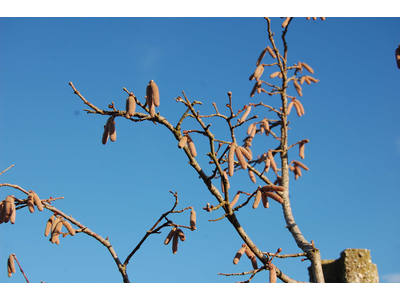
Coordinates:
(353, 266)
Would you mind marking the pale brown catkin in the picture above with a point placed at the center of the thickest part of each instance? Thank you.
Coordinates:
(106, 134)
(289, 108)
(252, 176)
(257, 73)
(154, 92)
(246, 153)
(130, 106)
(397, 53)
(13, 213)
(298, 108)
(56, 232)
(224, 175)
(191, 146)
(312, 79)
(193, 219)
(69, 227)
(265, 125)
(273, 164)
(54, 223)
(301, 150)
(300, 164)
(275, 74)
(245, 114)
(111, 129)
(274, 196)
(257, 199)
(307, 67)
(265, 200)
(181, 235)
(169, 236)
(297, 87)
(7, 209)
(301, 106)
(251, 128)
(49, 225)
(1, 212)
(297, 170)
(261, 56)
(271, 52)
(272, 187)
(37, 201)
(30, 203)
(286, 22)
(241, 159)
(12, 264)
(175, 241)
(231, 160)
(239, 254)
(235, 199)
(183, 141)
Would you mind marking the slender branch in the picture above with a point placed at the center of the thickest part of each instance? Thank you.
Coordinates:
(7, 169)
(15, 187)
(22, 271)
(285, 255)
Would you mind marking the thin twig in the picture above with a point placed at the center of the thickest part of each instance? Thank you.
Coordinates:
(7, 169)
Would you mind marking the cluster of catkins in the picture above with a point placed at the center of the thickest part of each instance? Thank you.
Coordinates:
(176, 233)
(8, 210)
(54, 225)
(152, 101)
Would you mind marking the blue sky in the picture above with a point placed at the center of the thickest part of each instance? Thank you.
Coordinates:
(348, 199)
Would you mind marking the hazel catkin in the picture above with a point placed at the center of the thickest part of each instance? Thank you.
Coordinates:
(191, 146)
(235, 199)
(245, 114)
(30, 203)
(261, 56)
(300, 164)
(130, 106)
(193, 219)
(152, 93)
(231, 160)
(183, 141)
(241, 159)
(286, 22)
(11, 262)
(272, 273)
(239, 254)
(272, 161)
(271, 52)
(257, 199)
(49, 225)
(180, 234)
(274, 196)
(252, 176)
(307, 67)
(56, 232)
(169, 236)
(397, 53)
(175, 243)
(69, 227)
(37, 201)
(257, 73)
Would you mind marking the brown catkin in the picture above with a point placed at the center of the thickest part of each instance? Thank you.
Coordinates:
(183, 141)
(235, 199)
(302, 79)
(297, 170)
(261, 56)
(30, 203)
(54, 224)
(231, 160)
(397, 53)
(153, 92)
(193, 219)
(286, 22)
(254, 262)
(274, 196)
(272, 187)
(267, 165)
(265, 125)
(297, 87)
(257, 199)
(265, 200)
(271, 52)
(241, 159)
(252, 176)
(169, 236)
(312, 79)
(56, 232)
(253, 91)
(239, 254)
(306, 79)
(111, 129)
(175, 243)
(258, 72)
(191, 146)
(262, 158)
(249, 253)
(181, 235)
(289, 107)
(300, 164)
(275, 74)
(245, 114)
(301, 106)
(69, 227)
(298, 108)
(224, 175)
(299, 66)
(130, 106)
(272, 273)
(37, 201)
(301, 150)
(106, 134)
(13, 213)
(49, 225)
(273, 164)
(251, 128)
(246, 153)
(7, 209)
(307, 67)
(11, 262)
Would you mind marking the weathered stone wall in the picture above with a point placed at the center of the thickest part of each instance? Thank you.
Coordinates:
(353, 266)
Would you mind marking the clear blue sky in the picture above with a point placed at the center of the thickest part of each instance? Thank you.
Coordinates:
(348, 199)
